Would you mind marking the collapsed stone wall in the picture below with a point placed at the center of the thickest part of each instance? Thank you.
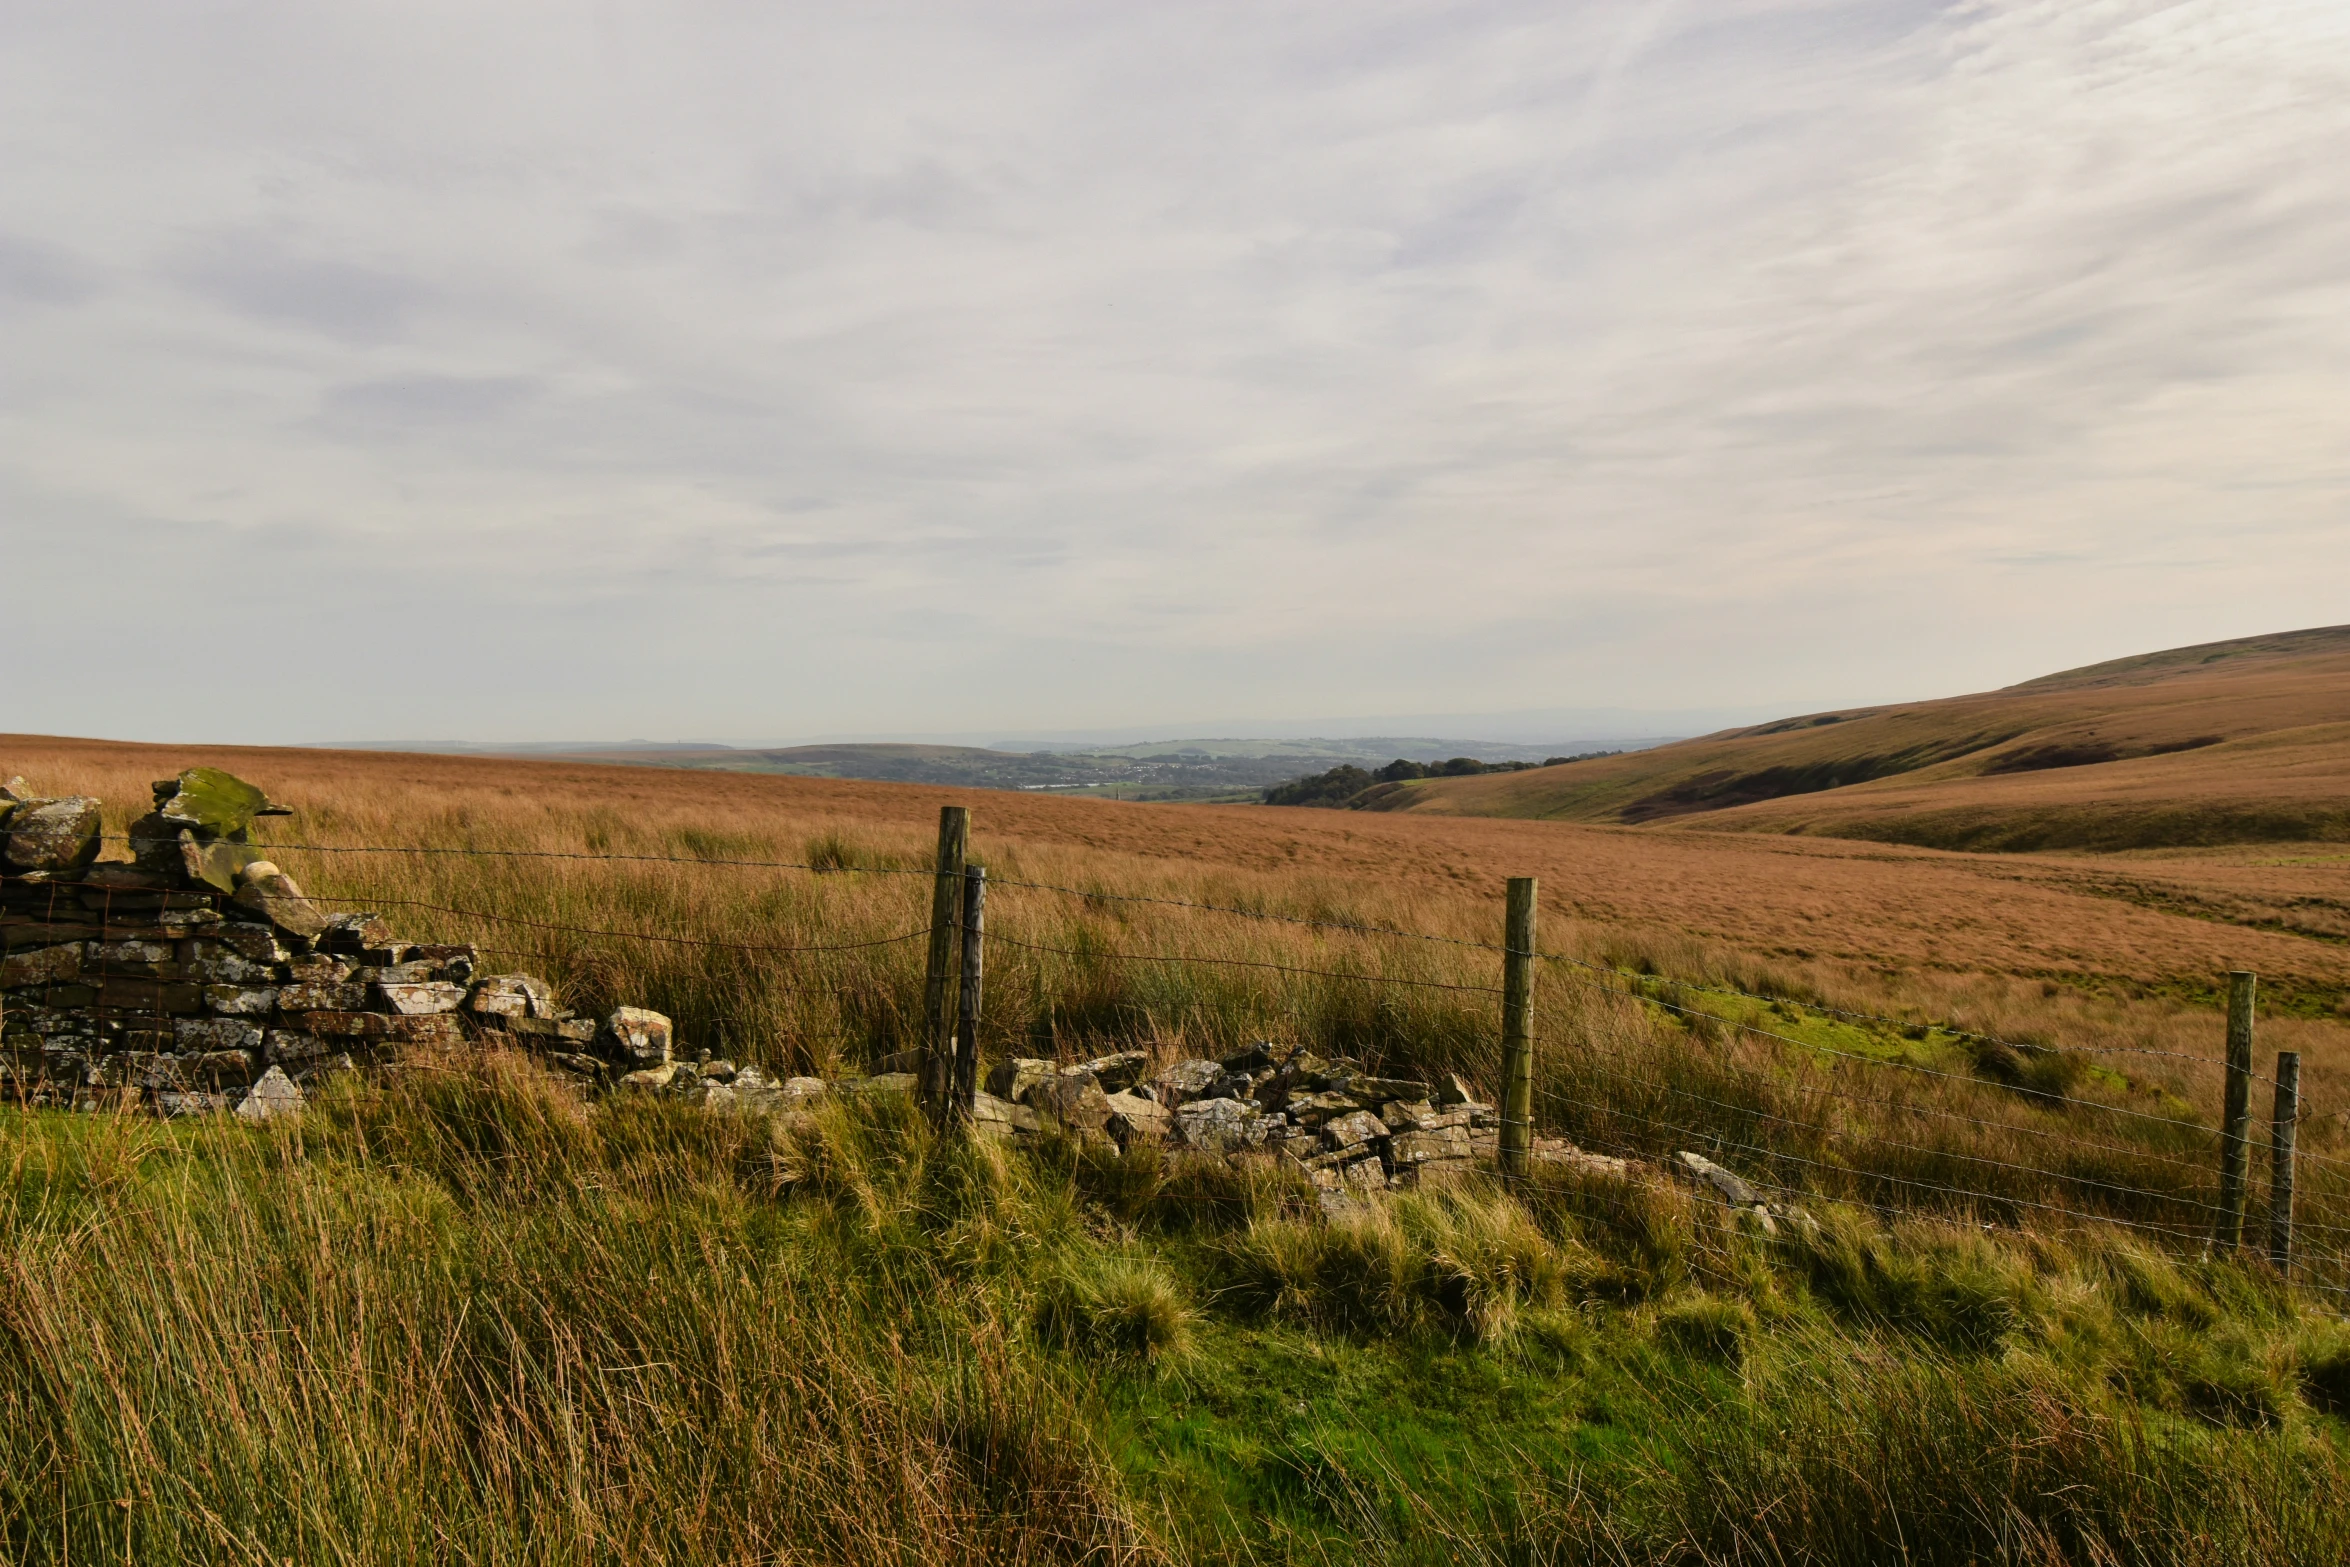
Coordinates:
(197, 976)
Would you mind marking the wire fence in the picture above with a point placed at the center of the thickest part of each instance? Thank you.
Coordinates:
(1779, 1104)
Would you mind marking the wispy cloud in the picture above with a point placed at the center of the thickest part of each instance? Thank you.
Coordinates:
(734, 370)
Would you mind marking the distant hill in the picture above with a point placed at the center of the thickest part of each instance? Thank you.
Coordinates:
(2225, 742)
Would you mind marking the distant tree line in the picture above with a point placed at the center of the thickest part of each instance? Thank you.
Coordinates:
(1342, 783)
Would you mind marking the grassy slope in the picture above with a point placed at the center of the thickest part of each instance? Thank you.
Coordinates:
(2232, 742)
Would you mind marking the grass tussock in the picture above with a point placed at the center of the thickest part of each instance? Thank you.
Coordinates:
(462, 1305)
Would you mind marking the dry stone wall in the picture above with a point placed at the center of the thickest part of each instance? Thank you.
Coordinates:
(196, 976)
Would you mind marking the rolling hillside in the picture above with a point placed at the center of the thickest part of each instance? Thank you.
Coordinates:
(2228, 742)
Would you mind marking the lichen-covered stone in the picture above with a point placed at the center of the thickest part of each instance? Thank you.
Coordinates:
(1134, 1119)
(1074, 1100)
(322, 997)
(272, 894)
(52, 838)
(1220, 1125)
(1348, 1131)
(1119, 1072)
(1011, 1079)
(635, 1036)
(1188, 1080)
(56, 965)
(199, 1035)
(274, 1095)
(420, 1000)
(511, 995)
(651, 1077)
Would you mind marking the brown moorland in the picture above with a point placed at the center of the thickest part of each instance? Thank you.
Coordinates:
(2231, 742)
(435, 1303)
(2078, 950)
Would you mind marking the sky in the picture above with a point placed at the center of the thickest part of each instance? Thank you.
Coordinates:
(505, 371)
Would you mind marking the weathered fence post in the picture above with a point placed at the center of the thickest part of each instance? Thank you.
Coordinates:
(2281, 1127)
(966, 1073)
(2235, 1132)
(946, 902)
(1517, 1030)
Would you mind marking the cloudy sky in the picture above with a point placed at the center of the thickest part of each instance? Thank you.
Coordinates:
(509, 371)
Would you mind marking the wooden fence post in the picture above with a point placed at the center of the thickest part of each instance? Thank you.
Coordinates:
(966, 1073)
(2281, 1128)
(946, 901)
(1517, 1030)
(2235, 1133)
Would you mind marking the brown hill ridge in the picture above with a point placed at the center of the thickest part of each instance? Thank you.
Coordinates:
(2225, 742)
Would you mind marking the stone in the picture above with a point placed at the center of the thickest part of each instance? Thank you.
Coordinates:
(316, 997)
(226, 1068)
(578, 1065)
(1134, 1119)
(1558, 1151)
(1414, 1148)
(213, 863)
(1255, 1058)
(178, 1102)
(511, 995)
(225, 969)
(272, 894)
(1073, 1100)
(58, 965)
(112, 877)
(379, 1027)
(254, 943)
(635, 1036)
(357, 933)
(455, 964)
(419, 1000)
(240, 1000)
(651, 1077)
(1000, 1118)
(1315, 1108)
(1011, 1079)
(1219, 1125)
(1188, 1080)
(720, 1071)
(201, 1034)
(797, 1093)
(552, 1033)
(52, 838)
(274, 1095)
(316, 968)
(212, 803)
(1727, 1186)
(1119, 1072)
(153, 997)
(1348, 1131)
(881, 1083)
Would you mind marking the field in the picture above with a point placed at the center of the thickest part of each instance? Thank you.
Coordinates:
(2229, 743)
(463, 1318)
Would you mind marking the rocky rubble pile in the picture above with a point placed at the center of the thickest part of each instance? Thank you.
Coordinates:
(198, 977)
(1351, 1130)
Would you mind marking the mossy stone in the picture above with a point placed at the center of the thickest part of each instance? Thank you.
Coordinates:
(216, 804)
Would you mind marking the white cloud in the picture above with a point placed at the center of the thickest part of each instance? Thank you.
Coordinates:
(726, 369)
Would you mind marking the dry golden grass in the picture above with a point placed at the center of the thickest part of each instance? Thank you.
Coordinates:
(2111, 956)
